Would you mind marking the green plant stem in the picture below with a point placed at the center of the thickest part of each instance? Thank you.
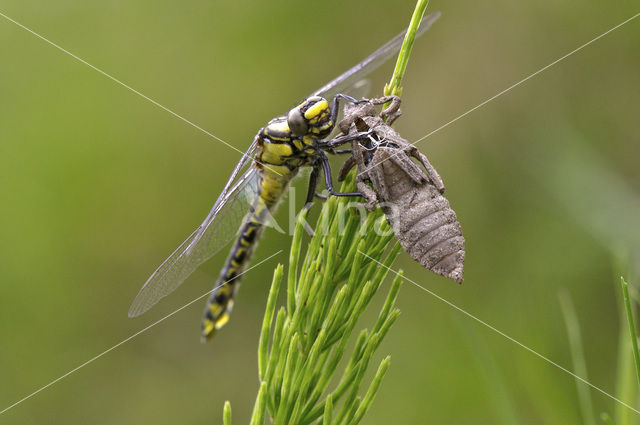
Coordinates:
(394, 87)
(226, 413)
(577, 356)
(632, 326)
(263, 345)
(257, 418)
(626, 388)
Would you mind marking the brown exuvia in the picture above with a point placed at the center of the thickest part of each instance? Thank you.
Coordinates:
(420, 216)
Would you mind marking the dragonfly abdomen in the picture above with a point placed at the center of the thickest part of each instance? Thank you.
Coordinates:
(279, 158)
(220, 303)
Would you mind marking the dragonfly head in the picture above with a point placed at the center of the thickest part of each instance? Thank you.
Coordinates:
(311, 117)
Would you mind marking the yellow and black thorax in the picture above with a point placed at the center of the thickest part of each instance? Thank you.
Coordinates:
(289, 142)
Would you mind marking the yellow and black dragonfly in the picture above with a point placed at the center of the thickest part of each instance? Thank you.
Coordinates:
(254, 188)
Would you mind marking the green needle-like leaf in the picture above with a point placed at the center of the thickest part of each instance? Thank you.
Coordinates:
(632, 327)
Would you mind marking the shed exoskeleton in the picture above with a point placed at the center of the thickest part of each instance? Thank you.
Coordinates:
(409, 192)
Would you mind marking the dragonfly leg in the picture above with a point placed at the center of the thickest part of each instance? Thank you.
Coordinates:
(313, 184)
(338, 141)
(328, 180)
(334, 104)
(311, 192)
(362, 177)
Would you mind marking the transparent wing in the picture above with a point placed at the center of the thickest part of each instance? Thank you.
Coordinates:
(371, 62)
(219, 227)
(360, 89)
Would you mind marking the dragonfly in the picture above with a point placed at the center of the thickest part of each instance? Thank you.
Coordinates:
(256, 185)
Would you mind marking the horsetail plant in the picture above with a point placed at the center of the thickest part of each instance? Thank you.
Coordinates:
(302, 345)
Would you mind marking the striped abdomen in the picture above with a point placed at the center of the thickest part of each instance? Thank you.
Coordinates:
(279, 158)
(220, 303)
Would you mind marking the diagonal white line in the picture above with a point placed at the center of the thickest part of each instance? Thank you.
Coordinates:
(527, 78)
(499, 332)
(127, 339)
(517, 84)
(114, 79)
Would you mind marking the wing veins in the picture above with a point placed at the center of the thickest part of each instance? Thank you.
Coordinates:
(373, 61)
(196, 249)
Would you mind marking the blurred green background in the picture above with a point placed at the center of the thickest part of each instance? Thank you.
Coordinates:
(99, 185)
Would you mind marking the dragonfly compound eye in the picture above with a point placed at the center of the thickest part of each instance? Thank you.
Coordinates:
(317, 114)
(297, 123)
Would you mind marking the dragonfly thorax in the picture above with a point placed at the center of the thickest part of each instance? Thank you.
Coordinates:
(278, 146)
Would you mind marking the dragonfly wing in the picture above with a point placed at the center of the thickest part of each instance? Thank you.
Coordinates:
(223, 224)
(218, 228)
(158, 284)
(247, 157)
(372, 62)
(360, 89)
